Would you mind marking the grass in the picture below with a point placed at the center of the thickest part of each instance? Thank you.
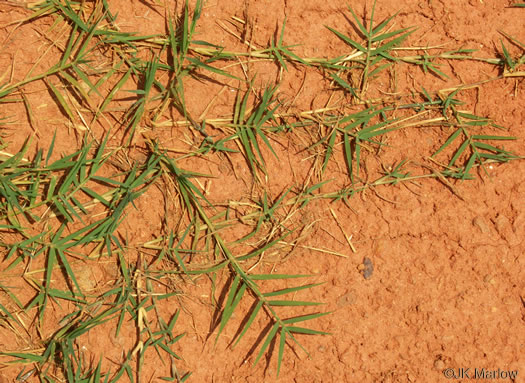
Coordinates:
(57, 213)
(376, 49)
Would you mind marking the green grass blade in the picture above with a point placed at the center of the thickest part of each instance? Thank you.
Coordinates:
(347, 40)
(378, 69)
(361, 27)
(302, 330)
(62, 102)
(292, 303)
(249, 322)
(343, 84)
(69, 271)
(329, 149)
(282, 342)
(381, 26)
(459, 152)
(231, 302)
(449, 140)
(385, 36)
(290, 290)
(268, 277)
(204, 65)
(489, 137)
(470, 163)
(268, 340)
(113, 91)
(508, 59)
(383, 49)
(304, 318)
(482, 145)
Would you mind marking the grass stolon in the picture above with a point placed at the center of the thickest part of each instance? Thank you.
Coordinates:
(56, 211)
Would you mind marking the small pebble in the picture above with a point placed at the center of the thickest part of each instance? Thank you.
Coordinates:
(480, 223)
(439, 365)
(502, 224)
(368, 268)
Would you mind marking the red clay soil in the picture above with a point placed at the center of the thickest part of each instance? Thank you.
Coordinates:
(445, 279)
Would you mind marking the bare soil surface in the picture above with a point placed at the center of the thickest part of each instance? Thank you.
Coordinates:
(437, 280)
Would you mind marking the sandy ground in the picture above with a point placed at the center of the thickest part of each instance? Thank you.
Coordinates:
(445, 282)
